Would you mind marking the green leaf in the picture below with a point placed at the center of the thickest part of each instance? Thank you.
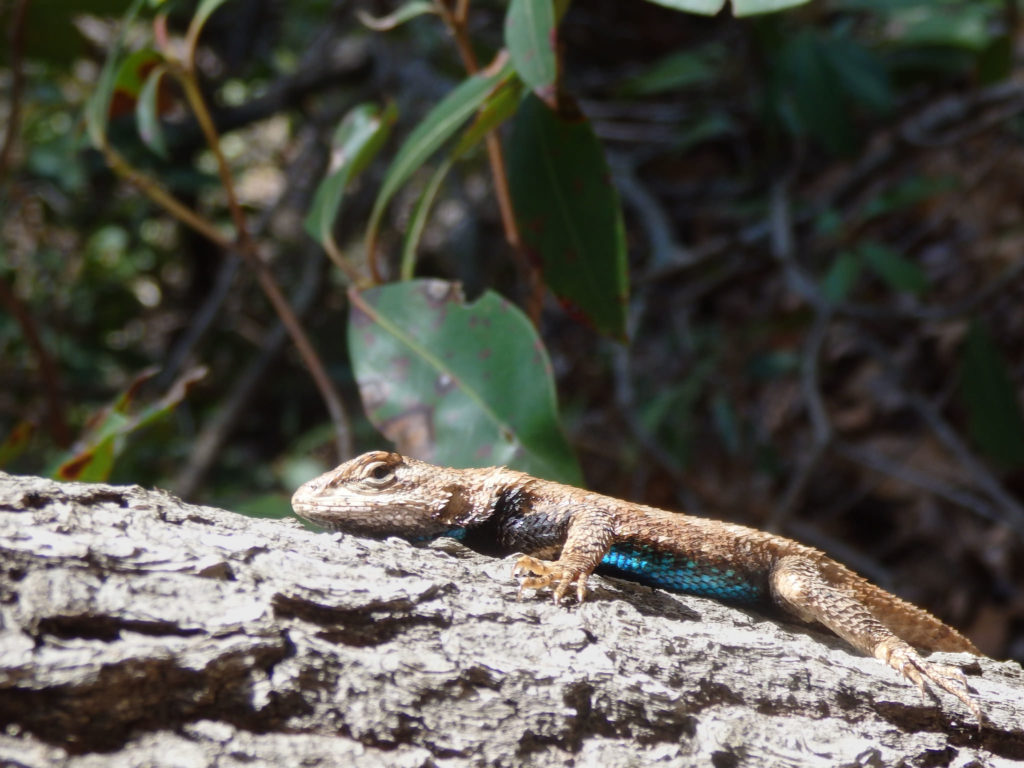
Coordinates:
(752, 7)
(203, 13)
(703, 7)
(134, 70)
(860, 73)
(530, 39)
(816, 103)
(900, 273)
(93, 456)
(406, 12)
(499, 107)
(823, 78)
(841, 277)
(418, 220)
(459, 384)
(569, 215)
(357, 139)
(990, 396)
(97, 108)
(16, 442)
(147, 113)
(726, 423)
(427, 137)
(739, 7)
(681, 69)
(907, 193)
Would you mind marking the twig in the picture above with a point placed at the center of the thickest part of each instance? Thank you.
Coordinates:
(457, 23)
(49, 375)
(880, 463)
(783, 250)
(665, 249)
(248, 249)
(17, 38)
(1012, 513)
(206, 448)
(152, 189)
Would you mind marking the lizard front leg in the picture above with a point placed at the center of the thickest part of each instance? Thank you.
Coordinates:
(589, 536)
(799, 587)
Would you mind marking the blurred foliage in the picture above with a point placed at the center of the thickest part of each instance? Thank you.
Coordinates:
(772, 260)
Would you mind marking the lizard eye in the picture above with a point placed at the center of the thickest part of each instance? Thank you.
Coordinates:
(380, 474)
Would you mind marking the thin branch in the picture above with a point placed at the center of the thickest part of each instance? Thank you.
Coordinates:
(17, 30)
(783, 249)
(49, 375)
(248, 249)
(208, 445)
(878, 462)
(1010, 511)
(457, 23)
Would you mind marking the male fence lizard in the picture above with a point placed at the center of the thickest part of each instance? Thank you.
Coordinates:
(566, 533)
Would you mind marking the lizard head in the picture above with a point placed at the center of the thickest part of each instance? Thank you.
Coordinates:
(385, 494)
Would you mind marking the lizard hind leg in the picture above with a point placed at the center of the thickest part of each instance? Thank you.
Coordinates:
(799, 588)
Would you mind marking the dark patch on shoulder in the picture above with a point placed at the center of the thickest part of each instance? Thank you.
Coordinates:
(490, 537)
(512, 502)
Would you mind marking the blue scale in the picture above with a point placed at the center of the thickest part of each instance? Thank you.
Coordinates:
(669, 571)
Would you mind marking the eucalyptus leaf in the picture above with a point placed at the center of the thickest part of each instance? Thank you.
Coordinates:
(426, 138)
(457, 384)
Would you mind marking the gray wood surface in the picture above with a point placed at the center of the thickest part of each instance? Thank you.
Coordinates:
(137, 630)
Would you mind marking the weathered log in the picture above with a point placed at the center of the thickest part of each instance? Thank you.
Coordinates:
(136, 629)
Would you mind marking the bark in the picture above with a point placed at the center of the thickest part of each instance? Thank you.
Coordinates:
(136, 630)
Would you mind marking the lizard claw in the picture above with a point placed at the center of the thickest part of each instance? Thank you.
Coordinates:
(909, 663)
(539, 574)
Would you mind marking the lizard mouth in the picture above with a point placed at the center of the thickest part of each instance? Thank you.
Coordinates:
(364, 520)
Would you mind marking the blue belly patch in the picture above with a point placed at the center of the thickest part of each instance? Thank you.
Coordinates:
(679, 574)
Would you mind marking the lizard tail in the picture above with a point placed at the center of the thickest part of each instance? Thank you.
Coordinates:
(915, 625)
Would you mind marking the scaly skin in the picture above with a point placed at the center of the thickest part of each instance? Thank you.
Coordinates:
(566, 533)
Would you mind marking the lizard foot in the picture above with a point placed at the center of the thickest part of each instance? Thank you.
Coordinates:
(539, 574)
(909, 663)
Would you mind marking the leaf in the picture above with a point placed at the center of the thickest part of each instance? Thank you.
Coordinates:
(678, 70)
(841, 277)
(569, 216)
(815, 98)
(703, 7)
(499, 107)
(907, 193)
(406, 12)
(824, 78)
(530, 39)
(457, 384)
(147, 113)
(739, 7)
(418, 219)
(751, 7)
(357, 139)
(990, 396)
(726, 423)
(92, 458)
(97, 109)
(861, 74)
(900, 273)
(195, 27)
(16, 442)
(427, 137)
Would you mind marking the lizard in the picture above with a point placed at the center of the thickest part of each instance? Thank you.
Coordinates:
(566, 533)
